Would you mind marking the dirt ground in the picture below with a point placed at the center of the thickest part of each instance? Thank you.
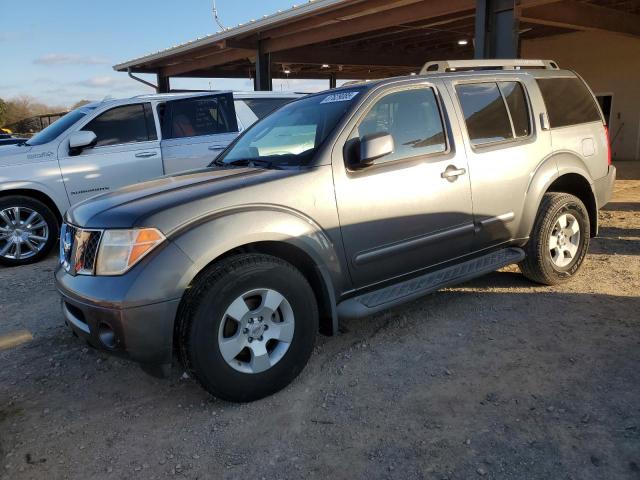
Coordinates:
(497, 378)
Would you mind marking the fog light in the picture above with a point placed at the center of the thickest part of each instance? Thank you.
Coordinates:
(107, 336)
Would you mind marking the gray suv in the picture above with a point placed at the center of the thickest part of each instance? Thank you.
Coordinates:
(339, 205)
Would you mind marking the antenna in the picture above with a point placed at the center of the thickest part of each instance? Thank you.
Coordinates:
(216, 18)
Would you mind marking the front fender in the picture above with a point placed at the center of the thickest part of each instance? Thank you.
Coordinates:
(237, 227)
(57, 193)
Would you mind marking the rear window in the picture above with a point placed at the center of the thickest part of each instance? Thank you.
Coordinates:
(264, 106)
(199, 116)
(494, 112)
(568, 101)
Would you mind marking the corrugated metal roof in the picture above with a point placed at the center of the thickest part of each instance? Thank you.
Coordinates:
(253, 26)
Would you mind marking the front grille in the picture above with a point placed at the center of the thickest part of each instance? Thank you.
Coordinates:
(79, 249)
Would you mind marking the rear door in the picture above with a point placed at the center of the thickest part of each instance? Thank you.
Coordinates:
(504, 148)
(127, 151)
(195, 130)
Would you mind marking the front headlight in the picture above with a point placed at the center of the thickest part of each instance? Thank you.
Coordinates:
(122, 249)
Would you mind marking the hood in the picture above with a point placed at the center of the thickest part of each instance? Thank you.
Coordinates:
(172, 196)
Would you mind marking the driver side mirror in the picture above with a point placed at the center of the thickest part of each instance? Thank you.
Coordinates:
(78, 141)
(374, 146)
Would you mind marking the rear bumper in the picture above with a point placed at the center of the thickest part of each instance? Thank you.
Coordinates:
(603, 187)
(143, 334)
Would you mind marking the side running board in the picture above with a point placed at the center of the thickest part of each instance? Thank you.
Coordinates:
(407, 290)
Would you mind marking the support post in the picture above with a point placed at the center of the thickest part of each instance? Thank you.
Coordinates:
(163, 84)
(496, 29)
(332, 80)
(262, 80)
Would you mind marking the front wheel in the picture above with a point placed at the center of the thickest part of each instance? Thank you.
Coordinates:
(559, 240)
(28, 230)
(248, 327)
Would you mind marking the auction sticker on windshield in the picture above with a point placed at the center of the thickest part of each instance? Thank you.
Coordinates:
(339, 97)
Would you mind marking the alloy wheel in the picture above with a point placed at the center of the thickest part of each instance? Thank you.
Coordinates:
(23, 233)
(256, 330)
(564, 240)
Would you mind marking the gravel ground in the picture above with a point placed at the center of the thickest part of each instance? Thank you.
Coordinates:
(497, 378)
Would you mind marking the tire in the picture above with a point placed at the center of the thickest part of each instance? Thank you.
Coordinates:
(551, 261)
(21, 242)
(212, 314)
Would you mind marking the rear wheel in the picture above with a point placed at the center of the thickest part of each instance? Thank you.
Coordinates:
(28, 230)
(559, 240)
(248, 327)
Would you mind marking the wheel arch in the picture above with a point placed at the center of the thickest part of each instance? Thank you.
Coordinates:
(577, 185)
(292, 238)
(566, 173)
(37, 195)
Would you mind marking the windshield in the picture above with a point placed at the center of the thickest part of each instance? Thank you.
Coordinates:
(59, 126)
(291, 135)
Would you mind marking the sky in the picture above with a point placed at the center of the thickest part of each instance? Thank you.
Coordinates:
(62, 51)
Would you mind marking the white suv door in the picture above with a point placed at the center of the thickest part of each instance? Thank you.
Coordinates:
(127, 151)
(195, 130)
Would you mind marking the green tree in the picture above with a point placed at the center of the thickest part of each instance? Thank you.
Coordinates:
(3, 112)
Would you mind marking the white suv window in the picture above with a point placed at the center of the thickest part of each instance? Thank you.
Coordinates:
(192, 117)
(125, 124)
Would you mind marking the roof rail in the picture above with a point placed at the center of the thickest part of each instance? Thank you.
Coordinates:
(495, 64)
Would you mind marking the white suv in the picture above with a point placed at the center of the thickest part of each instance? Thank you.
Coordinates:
(106, 145)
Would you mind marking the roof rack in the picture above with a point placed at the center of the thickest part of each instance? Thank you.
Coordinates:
(495, 64)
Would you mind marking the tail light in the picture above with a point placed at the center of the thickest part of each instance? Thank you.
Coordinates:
(606, 133)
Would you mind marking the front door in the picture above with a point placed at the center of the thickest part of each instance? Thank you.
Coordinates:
(195, 130)
(127, 151)
(412, 208)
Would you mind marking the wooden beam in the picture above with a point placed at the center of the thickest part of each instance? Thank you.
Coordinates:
(582, 16)
(244, 43)
(208, 61)
(377, 21)
(314, 55)
(344, 13)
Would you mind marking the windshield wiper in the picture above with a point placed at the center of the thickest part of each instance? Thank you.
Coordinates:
(246, 162)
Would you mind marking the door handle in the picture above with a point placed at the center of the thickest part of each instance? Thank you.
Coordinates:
(451, 173)
(146, 154)
(216, 147)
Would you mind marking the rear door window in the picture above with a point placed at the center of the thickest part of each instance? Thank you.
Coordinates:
(485, 113)
(125, 124)
(192, 117)
(568, 101)
(518, 109)
(264, 106)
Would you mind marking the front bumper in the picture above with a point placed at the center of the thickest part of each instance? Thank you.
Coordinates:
(143, 334)
(130, 315)
(604, 187)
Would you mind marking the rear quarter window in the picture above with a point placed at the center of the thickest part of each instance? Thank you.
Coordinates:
(568, 101)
